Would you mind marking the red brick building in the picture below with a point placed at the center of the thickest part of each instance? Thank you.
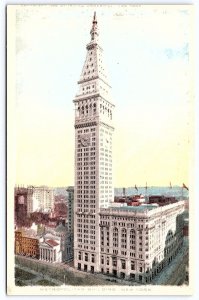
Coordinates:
(26, 245)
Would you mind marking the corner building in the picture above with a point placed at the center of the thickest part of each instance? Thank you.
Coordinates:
(131, 243)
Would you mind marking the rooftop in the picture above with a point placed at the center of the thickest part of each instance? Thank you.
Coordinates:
(139, 208)
(51, 243)
(142, 210)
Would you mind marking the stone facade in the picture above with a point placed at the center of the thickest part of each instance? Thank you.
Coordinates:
(49, 250)
(93, 151)
(40, 198)
(127, 242)
(62, 235)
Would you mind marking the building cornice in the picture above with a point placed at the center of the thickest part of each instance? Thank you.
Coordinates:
(89, 97)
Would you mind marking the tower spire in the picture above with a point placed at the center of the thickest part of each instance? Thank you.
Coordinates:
(94, 30)
(94, 17)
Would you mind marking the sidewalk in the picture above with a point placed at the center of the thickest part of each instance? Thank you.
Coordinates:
(169, 271)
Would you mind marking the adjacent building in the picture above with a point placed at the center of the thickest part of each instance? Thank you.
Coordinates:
(50, 250)
(137, 242)
(20, 204)
(70, 211)
(50, 244)
(62, 234)
(130, 242)
(26, 244)
(40, 198)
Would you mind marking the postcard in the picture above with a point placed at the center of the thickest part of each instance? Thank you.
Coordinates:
(100, 149)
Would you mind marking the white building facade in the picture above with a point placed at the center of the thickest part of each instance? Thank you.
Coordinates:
(127, 242)
(49, 250)
(93, 151)
(40, 198)
(138, 242)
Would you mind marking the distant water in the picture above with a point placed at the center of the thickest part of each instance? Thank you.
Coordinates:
(175, 191)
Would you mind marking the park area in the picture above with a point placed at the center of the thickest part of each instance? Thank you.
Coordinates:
(30, 272)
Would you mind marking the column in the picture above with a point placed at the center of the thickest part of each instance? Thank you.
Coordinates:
(111, 239)
(119, 266)
(119, 241)
(128, 260)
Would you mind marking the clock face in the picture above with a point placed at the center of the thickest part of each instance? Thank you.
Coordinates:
(85, 140)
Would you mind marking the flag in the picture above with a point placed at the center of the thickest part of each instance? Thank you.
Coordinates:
(136, 188)
(185, 187)
(170, 185)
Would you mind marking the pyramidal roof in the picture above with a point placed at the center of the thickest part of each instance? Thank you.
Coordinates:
(93, 66)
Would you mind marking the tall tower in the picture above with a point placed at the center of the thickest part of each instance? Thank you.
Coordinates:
(93, 155)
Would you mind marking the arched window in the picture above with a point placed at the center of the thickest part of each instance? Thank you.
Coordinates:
(79, 256)
(102, 259)
(78, 111)
(86, 256)
(94, 108)
(107, 261)
(123, 238)
(132, 236)
(115, 237)
(82, 110)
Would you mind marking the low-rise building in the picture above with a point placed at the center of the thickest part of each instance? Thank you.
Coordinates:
(26, 244)
(62, 234)
(21, 205)
(49, 250)
(136, 243)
